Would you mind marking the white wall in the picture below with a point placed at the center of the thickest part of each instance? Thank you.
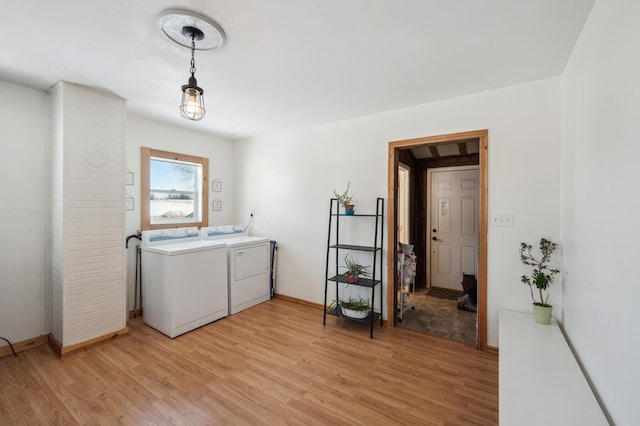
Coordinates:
(289, 177)
(154, 134)
(600, 205)
(24, 140)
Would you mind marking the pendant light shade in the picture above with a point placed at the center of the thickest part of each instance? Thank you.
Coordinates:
(192, 105)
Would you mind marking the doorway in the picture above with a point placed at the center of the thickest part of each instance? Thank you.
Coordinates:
(418, 156)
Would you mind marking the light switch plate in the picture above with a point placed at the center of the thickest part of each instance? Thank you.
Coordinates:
(502, 220)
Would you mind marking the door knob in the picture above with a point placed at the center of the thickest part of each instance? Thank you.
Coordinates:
(436, 239)
(434, 230)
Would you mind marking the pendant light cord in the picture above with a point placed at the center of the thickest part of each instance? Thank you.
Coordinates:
(193, 60)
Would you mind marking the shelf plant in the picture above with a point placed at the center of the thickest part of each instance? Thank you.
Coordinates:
(541, 276)
(354, 270)
(345, 200)
(355, 308)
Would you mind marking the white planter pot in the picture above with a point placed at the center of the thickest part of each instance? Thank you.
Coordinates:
(354, 314)
(542, 314)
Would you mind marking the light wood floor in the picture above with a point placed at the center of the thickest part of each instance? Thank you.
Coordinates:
(271, 364)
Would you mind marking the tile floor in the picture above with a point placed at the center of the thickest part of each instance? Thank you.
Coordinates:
(440, 317)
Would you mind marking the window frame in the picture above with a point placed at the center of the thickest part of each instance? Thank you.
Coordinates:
(145, 187)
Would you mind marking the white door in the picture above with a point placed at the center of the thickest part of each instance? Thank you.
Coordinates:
(453, 229)
(403, 204)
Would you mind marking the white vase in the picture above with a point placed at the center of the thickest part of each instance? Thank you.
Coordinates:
(542, 314)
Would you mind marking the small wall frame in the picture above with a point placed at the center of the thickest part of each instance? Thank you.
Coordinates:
(129, 177)
(129, 202)
(216, 205)
(216, 186)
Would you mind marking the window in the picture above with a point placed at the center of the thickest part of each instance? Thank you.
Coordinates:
(174, 189)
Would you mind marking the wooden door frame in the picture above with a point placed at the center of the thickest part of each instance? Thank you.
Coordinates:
(394, 147)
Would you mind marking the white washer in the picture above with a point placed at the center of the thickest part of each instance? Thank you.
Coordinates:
(184, 280)
(248, 265)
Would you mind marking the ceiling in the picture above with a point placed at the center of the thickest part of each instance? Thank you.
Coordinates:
(446, 149)
(289, 64)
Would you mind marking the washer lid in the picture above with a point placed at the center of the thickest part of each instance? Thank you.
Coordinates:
(245, 240)
(184, 248)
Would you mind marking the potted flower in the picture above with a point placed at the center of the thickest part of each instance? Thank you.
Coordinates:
(354, 270)
(355, 308)
(345, 200)
(541, 277)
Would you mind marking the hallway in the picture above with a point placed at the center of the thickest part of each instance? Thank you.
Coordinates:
(439, 317)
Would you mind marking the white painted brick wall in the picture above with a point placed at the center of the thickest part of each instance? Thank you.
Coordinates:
(55, 228)
(88, 213)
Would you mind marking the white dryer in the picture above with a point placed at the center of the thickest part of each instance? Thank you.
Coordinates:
(184, 280)
(248, 265)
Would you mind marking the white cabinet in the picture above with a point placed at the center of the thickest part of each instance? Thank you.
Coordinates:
(540, 381)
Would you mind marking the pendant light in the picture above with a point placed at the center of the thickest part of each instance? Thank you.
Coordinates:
(192, 105)
(185, 28)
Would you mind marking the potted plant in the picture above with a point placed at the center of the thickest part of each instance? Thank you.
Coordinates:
(355, 308)
(354, 270)
(541, 277)
(345, 200)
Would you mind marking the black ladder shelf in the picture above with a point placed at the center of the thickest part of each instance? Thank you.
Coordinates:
(337, 247)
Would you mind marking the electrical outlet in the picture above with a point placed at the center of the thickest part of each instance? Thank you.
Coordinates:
(502, 220)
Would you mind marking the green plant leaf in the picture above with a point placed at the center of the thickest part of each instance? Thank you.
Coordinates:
(541, 275)
(358, 304)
